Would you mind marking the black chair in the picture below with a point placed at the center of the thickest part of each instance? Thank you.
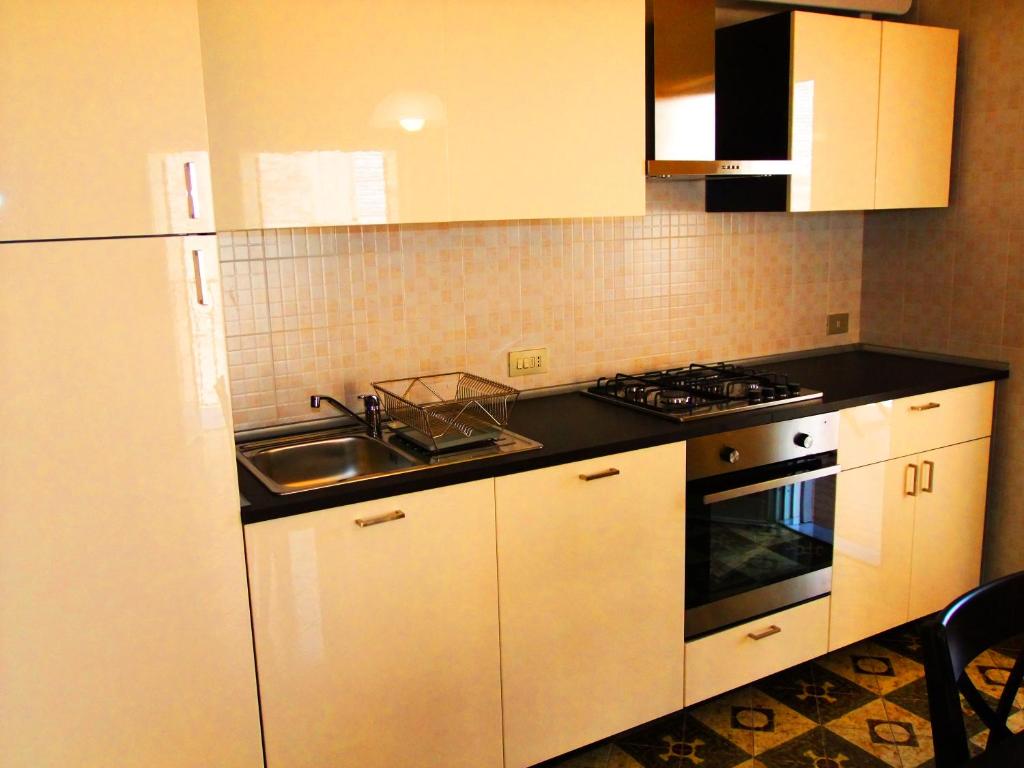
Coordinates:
(984, 617)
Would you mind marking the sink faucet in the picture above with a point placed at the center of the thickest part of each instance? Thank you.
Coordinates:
(373, 411)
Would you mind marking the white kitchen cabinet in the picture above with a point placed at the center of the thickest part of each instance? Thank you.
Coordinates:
(326, 113)
(834, 112)
(917, 89)
(377, 645)
(871, 113)
(101, 113)
(545, 108)
(397, 111)
(909, 520)
(949, 525)
(879, 431)
(867, 107)
(124, 617)
(874, 539)
(590, 576)
(756, 649)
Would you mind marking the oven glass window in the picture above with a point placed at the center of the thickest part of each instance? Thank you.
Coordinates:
(754, 538)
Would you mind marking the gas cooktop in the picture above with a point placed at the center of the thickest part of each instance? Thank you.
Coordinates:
(699, 391)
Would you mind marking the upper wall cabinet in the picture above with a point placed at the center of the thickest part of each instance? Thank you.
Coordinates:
(102, 121)
(870, 112)
(326, 113)
(546, 108)
(391, 111)
(915, 116)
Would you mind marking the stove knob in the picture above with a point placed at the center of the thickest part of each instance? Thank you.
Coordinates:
(804, 440)
(730, 455)
(794, 388)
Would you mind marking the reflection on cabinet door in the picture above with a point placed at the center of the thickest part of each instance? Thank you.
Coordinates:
(950, 525)
(834, 112)
(102, 108)
(874, 537)
(377, 633)
(327, 113)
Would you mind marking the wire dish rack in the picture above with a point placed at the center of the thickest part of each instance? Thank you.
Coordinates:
(446, 410)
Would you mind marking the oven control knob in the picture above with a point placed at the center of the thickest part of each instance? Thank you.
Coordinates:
(804, 440)
(730, 455)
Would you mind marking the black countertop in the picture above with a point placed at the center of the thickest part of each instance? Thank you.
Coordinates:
(574, 426)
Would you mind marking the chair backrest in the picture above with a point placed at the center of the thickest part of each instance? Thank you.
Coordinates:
(984, 617)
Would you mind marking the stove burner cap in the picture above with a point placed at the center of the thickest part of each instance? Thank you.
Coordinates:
(675, 400)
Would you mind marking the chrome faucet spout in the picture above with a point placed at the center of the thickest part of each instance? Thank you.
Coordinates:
(373, 411)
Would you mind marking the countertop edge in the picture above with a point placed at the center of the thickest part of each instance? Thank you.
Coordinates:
(279, 507)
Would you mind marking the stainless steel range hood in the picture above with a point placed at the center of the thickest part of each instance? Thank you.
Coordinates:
(681, 129)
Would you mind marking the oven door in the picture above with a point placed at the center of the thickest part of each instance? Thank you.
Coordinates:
(758, 540)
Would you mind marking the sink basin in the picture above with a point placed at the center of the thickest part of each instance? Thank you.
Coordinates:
(290, 465)
(294, 463)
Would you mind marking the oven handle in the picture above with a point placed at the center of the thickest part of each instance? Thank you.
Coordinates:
(767, 485)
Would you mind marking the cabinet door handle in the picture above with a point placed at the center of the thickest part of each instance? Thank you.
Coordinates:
(931, 476)
(772, 630)
(192, 190)
(364, 522)
(925, 407)
(197, 270)
(611, 472)
(913, 480)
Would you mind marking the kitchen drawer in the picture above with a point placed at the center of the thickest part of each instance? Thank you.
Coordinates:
(731, 658)
(941, 418)
(881, 431)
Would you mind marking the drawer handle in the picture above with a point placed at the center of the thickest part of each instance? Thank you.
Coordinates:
(612, 472)
(192, 190)
(772, 630)
(930, 487)
(364, 522)
(197, 273)
(913, 480)
(925, 407)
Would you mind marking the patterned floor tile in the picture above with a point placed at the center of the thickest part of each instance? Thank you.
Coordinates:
(845, 754)
(869, 728)
(905, 640)
(733, 717)
(656, 745)
(805, 751)
(989, 673)
(775, 723)
(836, 696)
(912, 735)
(912, 696)
(873, 666)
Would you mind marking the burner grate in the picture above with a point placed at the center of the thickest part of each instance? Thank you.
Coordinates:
(701, 389)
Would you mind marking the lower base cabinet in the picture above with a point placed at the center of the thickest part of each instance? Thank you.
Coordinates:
(908, 538)
(747, 652)
(377, 634)
(590, 573)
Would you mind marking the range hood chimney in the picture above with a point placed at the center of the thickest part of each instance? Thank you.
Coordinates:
(681, 104)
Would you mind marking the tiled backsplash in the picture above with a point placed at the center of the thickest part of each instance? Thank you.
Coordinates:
(330, 310)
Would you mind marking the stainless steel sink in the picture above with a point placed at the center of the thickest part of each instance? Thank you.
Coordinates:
(303, 463)
(293, 463)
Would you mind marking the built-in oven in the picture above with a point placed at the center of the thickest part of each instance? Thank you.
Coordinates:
(760, 519)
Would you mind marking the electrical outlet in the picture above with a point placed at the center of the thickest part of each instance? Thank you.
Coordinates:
(839, 323)
(526, 362)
